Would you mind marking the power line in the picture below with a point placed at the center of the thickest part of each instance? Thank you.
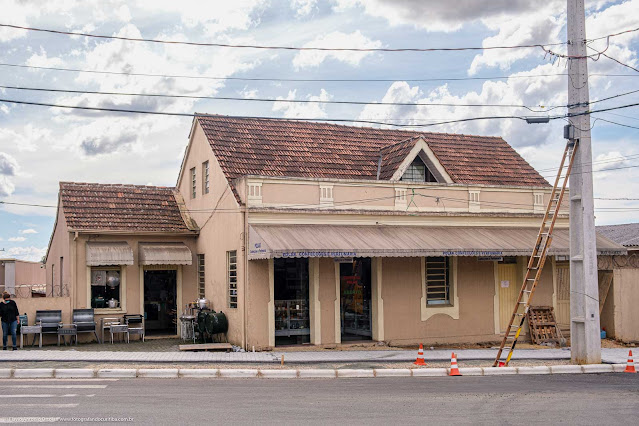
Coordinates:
(303, 80)
(620, 63)
(618, 124)
(254, 46)
(607, 160)
(183, 114)
(307, 101)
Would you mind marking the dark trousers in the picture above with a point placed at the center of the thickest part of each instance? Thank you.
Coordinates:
(9, 327)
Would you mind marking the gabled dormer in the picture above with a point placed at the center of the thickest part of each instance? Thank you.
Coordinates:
(411, 160)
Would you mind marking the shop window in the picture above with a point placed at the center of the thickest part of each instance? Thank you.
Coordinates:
(418, 172)
(193, 183)
(205, 177)
(106, 287)
(201, 282)
(231, 267)
(437, 281)
(290, 291)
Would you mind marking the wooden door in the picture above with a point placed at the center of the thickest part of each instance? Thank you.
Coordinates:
(562, 311)
(509, 287)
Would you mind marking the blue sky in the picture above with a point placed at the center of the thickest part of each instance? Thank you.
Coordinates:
(41, 146)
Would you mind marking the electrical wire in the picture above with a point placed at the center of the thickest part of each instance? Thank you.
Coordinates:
(304, 80)
(254, 46)
(618, 124)
(306, 101)
(620, 63)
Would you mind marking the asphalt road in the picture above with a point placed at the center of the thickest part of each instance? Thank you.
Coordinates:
(569, 399)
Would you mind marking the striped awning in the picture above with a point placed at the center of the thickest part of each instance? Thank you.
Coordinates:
(108, 253)
(281, 241)
(165, 254)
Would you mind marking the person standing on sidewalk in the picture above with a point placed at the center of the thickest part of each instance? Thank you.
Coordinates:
(10, 316)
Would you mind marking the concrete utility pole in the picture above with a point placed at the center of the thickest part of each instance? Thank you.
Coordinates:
(584, 290)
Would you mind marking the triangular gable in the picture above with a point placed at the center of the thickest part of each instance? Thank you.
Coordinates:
(395, 159)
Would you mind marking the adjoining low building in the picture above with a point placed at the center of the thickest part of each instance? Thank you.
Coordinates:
(22, 278)
(123, 249)
(304, 232)
(619, 284)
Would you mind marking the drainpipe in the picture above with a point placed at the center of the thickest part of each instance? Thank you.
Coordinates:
(74, 272)
(245, 262)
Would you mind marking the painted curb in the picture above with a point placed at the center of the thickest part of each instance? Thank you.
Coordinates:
(618, 368)
(158, 373)
(352, 373)
(565, 369)
(5, 373)
(430, 372)
(392, 372)
(74, 373)
(195, 373)
(117, 373)
(499, 371)
(318, 374)
(539, 369)
(238, 374)
(471, 371)
(278, 374)
(597, 368)
(33, 373)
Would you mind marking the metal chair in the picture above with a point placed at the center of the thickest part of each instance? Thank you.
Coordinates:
(136, 324)
(31, 329)
(119, 328)
(84, 319)
(49, 321)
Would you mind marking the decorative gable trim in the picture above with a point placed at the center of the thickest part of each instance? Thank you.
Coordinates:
(429, 158)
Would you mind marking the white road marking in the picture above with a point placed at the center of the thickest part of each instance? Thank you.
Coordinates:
(54, 386)
(68, 395)
(19, 405)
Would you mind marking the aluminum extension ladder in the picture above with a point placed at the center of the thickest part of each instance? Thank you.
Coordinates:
(538, 258)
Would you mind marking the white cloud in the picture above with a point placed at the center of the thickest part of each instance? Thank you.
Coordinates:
(29, 231)
(608, 161)
(303, 110)
(314, 58)
(27, 253)
(42, 60)
(17, 239)
(303, 7)
(8, 169)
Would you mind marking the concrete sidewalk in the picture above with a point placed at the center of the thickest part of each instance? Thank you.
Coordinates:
(609, 356)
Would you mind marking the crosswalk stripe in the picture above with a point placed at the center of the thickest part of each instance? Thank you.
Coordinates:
(54, 386)
(69, 395)
(22, 405)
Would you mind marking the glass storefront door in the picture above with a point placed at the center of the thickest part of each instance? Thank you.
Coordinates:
(355, 299)
(292, 319)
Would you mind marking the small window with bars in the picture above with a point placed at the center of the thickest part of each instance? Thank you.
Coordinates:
(193, 183)
(205, 177)
(231, 263)
(201, 281)
(438, 281)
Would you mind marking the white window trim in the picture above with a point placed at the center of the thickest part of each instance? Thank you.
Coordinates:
(538, 202)
(206, 177)
(430, 160)
(106, 311)
(254, 193)
(474, 202)
(452, 311)
(193, 182)
(401, 201)
(326, 195)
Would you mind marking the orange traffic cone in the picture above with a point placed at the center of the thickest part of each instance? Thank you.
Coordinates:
(630, 366)
(454, 371)
(420, 356)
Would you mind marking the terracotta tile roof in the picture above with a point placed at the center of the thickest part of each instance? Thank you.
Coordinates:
(248, 146)
(394, 155)
(121, 207)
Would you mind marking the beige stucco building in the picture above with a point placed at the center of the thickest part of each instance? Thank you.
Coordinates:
(315, 233)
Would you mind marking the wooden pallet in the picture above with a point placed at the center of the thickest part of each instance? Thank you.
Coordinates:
(543, 326)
